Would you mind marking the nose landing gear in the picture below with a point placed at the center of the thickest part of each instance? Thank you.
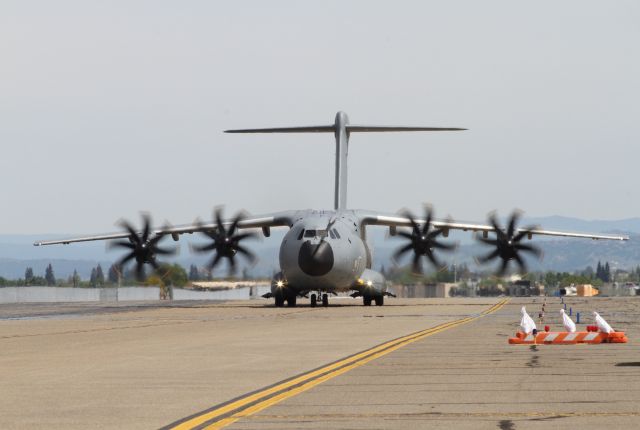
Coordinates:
(324, 298)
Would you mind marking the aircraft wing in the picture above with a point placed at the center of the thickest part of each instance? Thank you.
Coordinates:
(372, 218)
(279, 219)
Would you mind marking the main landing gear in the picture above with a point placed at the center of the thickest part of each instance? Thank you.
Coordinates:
(366, 300)
(281, 298)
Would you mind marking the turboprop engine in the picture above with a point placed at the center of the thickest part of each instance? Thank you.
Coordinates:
(371, 285)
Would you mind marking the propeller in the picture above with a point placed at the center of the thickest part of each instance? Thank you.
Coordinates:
(143, 246)
(225, 242)
(422, 241)
(508, 244)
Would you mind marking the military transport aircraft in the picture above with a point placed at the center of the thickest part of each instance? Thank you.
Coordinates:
(325, 251)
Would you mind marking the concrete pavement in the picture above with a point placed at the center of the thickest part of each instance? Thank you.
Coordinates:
(144, 367)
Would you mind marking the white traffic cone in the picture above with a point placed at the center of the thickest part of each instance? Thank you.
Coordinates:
(603, 326)
(568, 323)
(527, 324)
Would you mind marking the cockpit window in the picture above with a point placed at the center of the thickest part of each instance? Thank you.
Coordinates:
(315, 233)
(301, 234)
(335, 232)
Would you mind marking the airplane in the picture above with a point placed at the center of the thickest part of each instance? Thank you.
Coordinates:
(326, 251)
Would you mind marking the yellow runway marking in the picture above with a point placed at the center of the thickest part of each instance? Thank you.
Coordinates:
(227, 413)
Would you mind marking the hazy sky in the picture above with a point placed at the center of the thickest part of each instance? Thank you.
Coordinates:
(108, 108)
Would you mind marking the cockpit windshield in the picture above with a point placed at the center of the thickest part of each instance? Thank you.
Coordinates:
(319, 233)
(315, 233)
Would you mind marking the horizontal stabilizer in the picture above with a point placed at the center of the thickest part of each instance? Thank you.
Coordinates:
(307, 129)
(332, 129)
(374, 128)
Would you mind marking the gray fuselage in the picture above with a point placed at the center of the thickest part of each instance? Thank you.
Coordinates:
(325, 251)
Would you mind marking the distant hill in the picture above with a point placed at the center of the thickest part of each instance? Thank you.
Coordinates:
(629, 225)
(559, 255)
(17, 251)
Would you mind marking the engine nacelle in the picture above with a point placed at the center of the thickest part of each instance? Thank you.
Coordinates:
(278, 284)
(371, 283)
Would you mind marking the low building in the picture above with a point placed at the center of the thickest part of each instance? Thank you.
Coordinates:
(440, 290)
(223, 285)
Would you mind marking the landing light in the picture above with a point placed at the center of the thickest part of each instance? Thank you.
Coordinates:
(369, 283)
(279, 284)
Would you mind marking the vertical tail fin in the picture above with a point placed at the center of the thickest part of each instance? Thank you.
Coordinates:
(341, 129)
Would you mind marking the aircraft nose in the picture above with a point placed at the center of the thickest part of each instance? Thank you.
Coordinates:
(315, 259)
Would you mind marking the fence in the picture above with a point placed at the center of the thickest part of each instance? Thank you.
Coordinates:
(122, 294)
(65, 294)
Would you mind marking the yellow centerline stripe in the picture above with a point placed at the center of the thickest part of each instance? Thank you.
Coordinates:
(297, 390)
(318, 376)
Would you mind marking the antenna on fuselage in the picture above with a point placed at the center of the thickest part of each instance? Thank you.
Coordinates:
(341, 129)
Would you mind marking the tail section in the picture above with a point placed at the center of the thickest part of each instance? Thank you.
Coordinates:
(341, 129)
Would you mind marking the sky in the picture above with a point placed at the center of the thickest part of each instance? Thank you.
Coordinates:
(110, 108)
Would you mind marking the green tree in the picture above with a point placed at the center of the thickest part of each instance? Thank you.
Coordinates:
(607, 273)
(173, 274)
(75, 279)
(531, 277)
(93, 279)
(28, 276)
(551, 279)
(49, 276)
(114, 274)
(635, 274)
(445, 275)
(194, 275)
(464, 272)
(99, 276)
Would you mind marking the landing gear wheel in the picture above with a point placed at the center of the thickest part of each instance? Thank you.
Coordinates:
(366, 300)
(291, 301)
(325, 300)
(279, 300)
(379, 300)
(314, 300)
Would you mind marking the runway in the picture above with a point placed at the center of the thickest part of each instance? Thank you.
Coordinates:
(444, 363)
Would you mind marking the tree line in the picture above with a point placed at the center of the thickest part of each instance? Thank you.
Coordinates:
(170, 274)
(602, 274)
